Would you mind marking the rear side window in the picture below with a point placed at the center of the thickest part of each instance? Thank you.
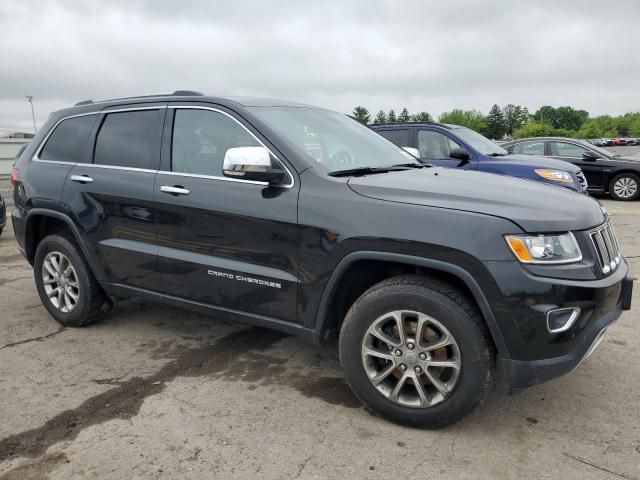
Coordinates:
(68, 141)
(129, 139)
(400, 136)
(529, 148)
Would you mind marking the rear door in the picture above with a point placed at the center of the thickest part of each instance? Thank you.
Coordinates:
(111, 196)
(570, 152)
(227, 243)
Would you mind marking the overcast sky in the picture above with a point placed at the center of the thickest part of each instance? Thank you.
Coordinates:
(425, 55)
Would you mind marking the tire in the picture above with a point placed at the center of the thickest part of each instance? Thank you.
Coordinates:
(625, 187)
(422, 298)
(1, 229)
(90, 301)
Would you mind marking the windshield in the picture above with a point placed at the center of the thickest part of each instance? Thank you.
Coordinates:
(332, 140)
(480, 143)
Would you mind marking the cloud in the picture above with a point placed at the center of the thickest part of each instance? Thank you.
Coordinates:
(424, 55)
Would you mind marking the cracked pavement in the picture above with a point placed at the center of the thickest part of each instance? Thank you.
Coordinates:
(155, 392)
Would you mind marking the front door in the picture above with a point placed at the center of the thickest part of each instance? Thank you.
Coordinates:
(435, 148)
(228, 243)
(111, 196)
(570, 152)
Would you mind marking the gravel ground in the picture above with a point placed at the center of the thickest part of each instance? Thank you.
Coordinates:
(154, 392)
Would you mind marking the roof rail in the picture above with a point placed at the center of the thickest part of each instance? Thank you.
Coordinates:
(177, 93)
(187, 93)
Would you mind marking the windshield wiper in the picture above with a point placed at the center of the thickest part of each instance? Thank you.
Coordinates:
(366, 170)
(412, 165)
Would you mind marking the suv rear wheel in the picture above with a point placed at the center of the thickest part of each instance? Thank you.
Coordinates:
(416, 351)
(66, 286)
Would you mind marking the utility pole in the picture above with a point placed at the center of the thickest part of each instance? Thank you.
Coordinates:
(33, 113)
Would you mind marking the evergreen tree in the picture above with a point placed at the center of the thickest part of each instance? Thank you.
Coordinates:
(391, 118)
(362, 114)
(495, 125)
(404, 115)
(381, 117)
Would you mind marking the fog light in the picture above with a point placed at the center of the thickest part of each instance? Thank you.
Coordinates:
(562, 319)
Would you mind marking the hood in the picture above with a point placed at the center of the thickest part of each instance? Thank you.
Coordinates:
(534, 206)
(539, 162)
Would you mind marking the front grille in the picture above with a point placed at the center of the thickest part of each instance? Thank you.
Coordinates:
(607, 248)
(582, 179)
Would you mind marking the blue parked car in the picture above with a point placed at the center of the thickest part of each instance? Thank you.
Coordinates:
(460, 147)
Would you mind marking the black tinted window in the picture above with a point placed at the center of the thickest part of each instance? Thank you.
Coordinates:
(400, 137)
(68, 141)
(129, 139)
(201, 139)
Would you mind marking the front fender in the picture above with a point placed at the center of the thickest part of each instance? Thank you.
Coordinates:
(459, 272)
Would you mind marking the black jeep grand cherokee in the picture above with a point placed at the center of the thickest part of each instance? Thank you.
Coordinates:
(301, 219)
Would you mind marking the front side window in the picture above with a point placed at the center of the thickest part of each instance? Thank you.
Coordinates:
(529, 148)
(561, 149)
(201, 139)
(398, 136)
(434, 145)
(68, 141)
(129, 139)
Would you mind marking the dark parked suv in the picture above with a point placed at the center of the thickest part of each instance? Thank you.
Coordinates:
(303, 220)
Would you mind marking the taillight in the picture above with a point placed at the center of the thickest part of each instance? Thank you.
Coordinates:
(15, 174)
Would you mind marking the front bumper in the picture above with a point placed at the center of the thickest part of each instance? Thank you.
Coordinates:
(520, 374)
(538, 355)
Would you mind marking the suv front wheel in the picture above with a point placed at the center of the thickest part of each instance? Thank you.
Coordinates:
(416, 351)
(66, 286)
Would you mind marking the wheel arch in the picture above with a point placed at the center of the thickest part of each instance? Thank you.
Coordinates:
(42, 221)
(449, 270)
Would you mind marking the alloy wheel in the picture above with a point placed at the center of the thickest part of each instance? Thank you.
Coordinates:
(411, 358)
(60, 282)
(625, 187)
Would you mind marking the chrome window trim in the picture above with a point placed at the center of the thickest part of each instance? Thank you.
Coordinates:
(215, 177)
(118, 167)
(36, 155)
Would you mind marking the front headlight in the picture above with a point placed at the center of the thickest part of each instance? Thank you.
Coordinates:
(561, 248)
(554, 175)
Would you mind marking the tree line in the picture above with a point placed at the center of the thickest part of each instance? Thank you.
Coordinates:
(515, 121)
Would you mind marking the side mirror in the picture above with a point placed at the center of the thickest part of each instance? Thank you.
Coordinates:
(589, 155)
(414, 152)
(460, 154)
(251, 163)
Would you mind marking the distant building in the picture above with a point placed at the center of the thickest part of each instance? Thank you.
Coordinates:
(9, 148)
(18, 135)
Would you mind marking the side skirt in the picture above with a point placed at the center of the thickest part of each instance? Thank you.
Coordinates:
(126, 291)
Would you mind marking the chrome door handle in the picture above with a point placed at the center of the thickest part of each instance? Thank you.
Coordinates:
(81, 178)
(176, 190)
